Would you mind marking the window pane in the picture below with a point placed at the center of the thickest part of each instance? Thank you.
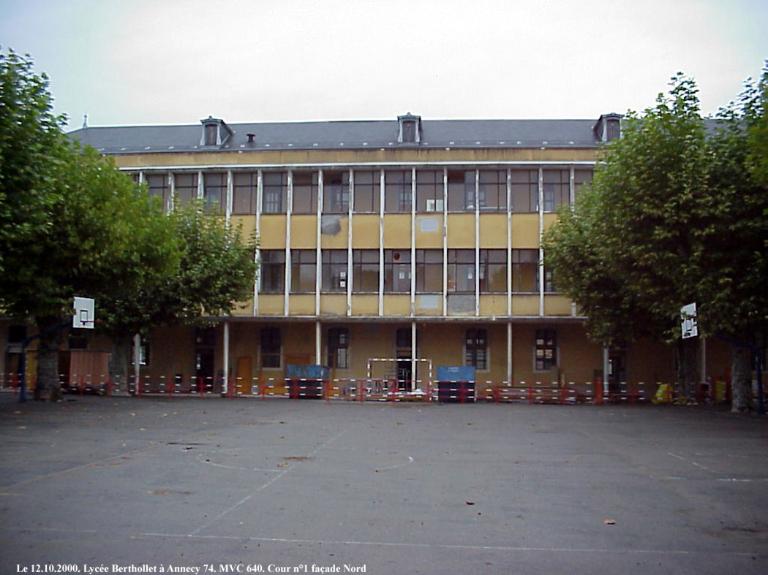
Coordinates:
(244, 193)
(336, 192)
(397, 192)
(429, 190)
(334, 270)
(525, 268)
(305, 186)
(525, 191)
(185, 187)
(367, 186)
(493, 190)
(275, 191)
(215, 191)
(397, 271)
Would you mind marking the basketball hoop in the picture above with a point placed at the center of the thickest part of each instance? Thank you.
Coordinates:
(85, 315)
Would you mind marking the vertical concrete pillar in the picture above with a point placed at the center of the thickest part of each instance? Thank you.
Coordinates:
(606, 366)
(445, 242)
(414, 363)
(225, 359)
(318, 343)
(137, 361)
(381, 243)
(319, 241)
(349, 240)
(541, 237)
(257, 254)
(510, 370)
(413, 241)
(288, 209)
(477, 243)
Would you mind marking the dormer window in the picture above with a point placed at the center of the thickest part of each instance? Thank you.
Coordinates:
(608, 127)
(410, 129)
(215, 132)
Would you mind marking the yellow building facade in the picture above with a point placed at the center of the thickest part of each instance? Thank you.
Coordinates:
(386, 249)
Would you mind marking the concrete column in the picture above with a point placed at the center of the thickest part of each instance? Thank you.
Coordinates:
(541, 237)
(381, 243)
(510, 370)
(200, 185)
(228, 198)
(318, 343)
(257, 254)
(606, 364)
(225, 359)
(171, 193)
(445, 242)
(477, 243)
(414, 363)
(413, 241)
(349, 240)
(288, 209)
(509, 242)
(137, 361)
(319, 242)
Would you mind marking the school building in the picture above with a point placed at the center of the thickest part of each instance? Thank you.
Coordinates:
(386, 248)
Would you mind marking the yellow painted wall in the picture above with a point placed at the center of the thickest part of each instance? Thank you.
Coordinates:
(303, 232)
(525, 305)
(365, 231)
(272, 232)
(461, 231)
(365, 305)
(493, 231)
(557, 305)
(428, 240)
(397, 305)
(301, 304)
(525, 231)
(338, 240)
(271, 304)
(333, 304)
(247, 225)
(397, 231)
(375, 156)
(495, 304)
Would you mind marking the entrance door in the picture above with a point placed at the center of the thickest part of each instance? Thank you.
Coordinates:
(617, 369)
(403, 352)
(243, 375)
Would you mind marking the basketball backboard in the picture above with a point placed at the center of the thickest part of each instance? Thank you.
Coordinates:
(85, 313)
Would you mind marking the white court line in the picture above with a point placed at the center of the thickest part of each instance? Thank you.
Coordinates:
(263, 486)
(507, 548)
(681, 458)
(236, 468)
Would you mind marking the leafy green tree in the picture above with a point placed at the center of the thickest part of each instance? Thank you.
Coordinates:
(215, 269)
(673, 216)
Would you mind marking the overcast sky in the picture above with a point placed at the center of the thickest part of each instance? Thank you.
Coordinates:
(126, 62)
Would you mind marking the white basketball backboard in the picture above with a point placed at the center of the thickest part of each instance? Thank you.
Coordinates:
(85, 313)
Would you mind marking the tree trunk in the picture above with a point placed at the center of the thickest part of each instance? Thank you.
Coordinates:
(48, 384)
(120, 360)
(741, 378)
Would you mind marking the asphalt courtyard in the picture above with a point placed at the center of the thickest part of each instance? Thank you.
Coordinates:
(120, 485)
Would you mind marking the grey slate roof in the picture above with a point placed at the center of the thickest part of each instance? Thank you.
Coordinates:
(345, 134)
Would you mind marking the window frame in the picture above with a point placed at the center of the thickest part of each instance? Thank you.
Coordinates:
(489, 261)
(270, 331)
(303, 260)
(547, 364)
(274, 193)
(363, 262)
(250, 189)
(429, 260)
(474, 352)
(392, 267)
(272, 259)
(456, 262)
(333, 265)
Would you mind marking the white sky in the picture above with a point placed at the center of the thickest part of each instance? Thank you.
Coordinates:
(176, 61)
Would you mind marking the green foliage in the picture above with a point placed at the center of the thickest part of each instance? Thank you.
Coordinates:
(30, 134)
(673, 216)
(215, 269)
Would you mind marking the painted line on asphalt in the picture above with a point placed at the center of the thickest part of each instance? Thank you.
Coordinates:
(690, 461)
(263, 486)
(415, 545)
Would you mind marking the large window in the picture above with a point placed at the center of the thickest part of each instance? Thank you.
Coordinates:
(185, 187)
(549, 281)
(397, 271)
(493, 271)
(557, 189)
(272, 271)
(461, 191)
(215, 192)
(365, 270)
(492, 192)
(303, 271)
(159, 188)
(334, 270)
(338, 348)
(476, 349)
(271, 347)
(525, 191)
(397, 191)
(275, 192)
(461, 271)
(336, 192)
(305, 186)
(525, 270)
(429, 271)
(367, 192)
(244, 193)
(545, 350)
(429, 190)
